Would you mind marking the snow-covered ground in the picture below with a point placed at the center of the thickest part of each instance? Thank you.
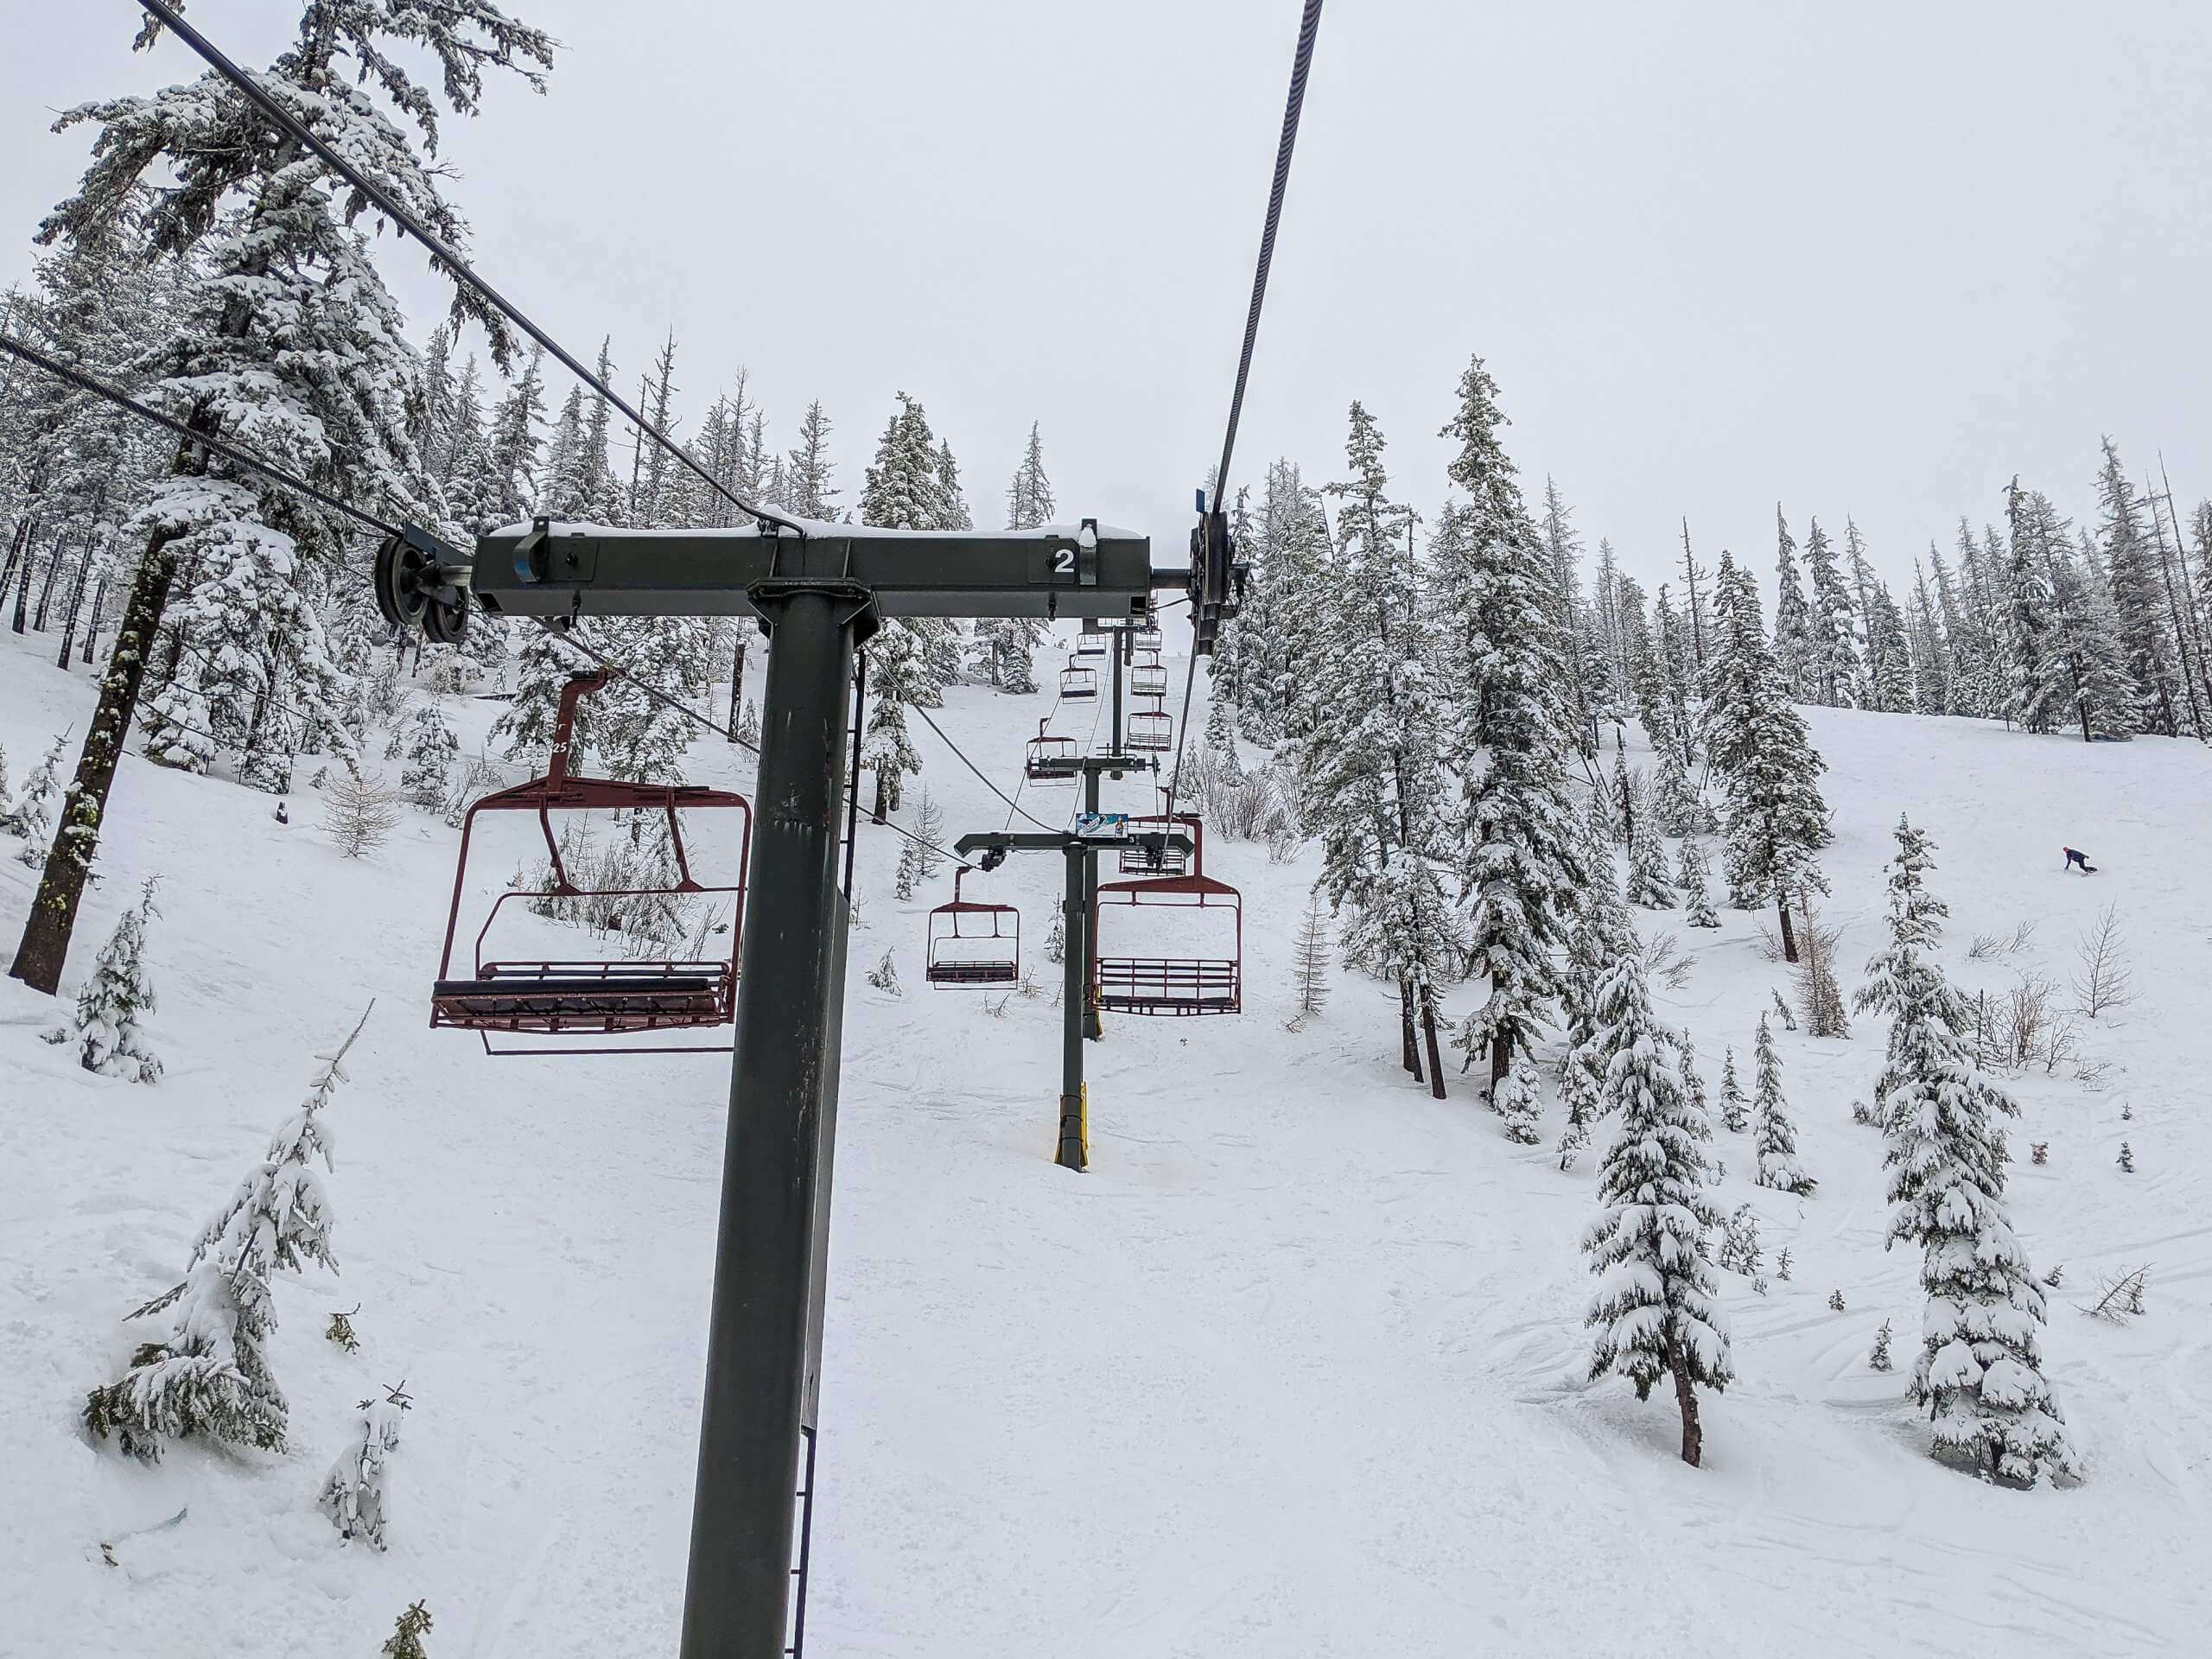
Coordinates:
(1296, 1369)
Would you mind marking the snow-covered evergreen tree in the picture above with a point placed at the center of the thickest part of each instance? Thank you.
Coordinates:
(31, 814)
(1773, 1135)
(1521, 845)
(1370, 785)
(1648, 886)
(1890, 680)
(1600, 935)
(1310, 958)
(210, 1375)
(885, 975)
(287, 339)
(432, 753)
(2085, 660)
(1009, 643)
(1793, 619)
(810, 469)
(1979, 1371)
(1735, 1111)
(1655, 1311)
(1836, 671)
(1777, 821)
(1681, 811)
(356, 1494)
(2142, 615)
(106, 1033)
(1689, 878)
(2031, 678)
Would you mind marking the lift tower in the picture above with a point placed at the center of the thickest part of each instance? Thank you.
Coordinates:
(818, 596)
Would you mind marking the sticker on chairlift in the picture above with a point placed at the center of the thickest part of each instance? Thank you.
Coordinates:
(1101, 826)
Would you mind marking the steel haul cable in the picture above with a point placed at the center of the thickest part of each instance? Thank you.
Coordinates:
(443, 253)
(1301, 65)
(222, 447)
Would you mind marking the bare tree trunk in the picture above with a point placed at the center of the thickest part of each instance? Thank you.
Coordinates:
(1501, 1059)
(23, 587)
(737, 686)
(882, 813)
(92, 622)
(1429, 1041)
(1788, 935)
(2083, 708)
(1408, 1053)
(1686, 1397)
(46, 587)
(44, 947)
(76, 605)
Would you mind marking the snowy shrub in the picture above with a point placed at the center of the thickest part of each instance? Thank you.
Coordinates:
(1879, 1359)
(340, 1330)
(106, 1034)
(885, 975)
(359, 811)
(1819, 998)
(356, 1493)
(31, 815)
(2103, 981)
(623, 892)
(1739, 1242)
(1835, 1301)
(406, 1639)
(479, 776)
(209, 1376)
(2119, 1296)
(1310, 957)
(1772, 1133)
(1514, 1097)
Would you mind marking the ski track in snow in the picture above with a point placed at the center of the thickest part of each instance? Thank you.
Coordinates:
(1297, 1369)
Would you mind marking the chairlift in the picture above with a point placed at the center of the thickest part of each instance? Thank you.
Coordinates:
(1091, 642)
(1052, 759)
(1190, 907)
(1148, 637)
(578, 998)
(1148, 680)
(1078, 684)
(1151, 731)
(972, 944)
(1162, 860)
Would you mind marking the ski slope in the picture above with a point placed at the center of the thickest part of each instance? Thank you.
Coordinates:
(1297, 1369)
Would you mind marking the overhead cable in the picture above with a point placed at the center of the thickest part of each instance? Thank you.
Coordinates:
(443, 253)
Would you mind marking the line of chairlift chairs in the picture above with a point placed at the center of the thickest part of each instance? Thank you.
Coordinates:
(1193, 924)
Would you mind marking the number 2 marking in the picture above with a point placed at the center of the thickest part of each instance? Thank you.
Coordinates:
(1063, 561)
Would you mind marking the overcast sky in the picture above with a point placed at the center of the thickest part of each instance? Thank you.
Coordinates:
(1868, 259)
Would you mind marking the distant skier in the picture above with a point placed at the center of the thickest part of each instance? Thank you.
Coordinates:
(2073, 858)
(281, 817)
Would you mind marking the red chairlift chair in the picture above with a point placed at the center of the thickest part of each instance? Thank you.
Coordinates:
(577, 998)
(1151, 730)
(1172, 985)
(1166, 860)
(1077, 683)
(1052, 759)
(1091, 642)
(973, 945)
(1147, 680)
(1148, 637)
